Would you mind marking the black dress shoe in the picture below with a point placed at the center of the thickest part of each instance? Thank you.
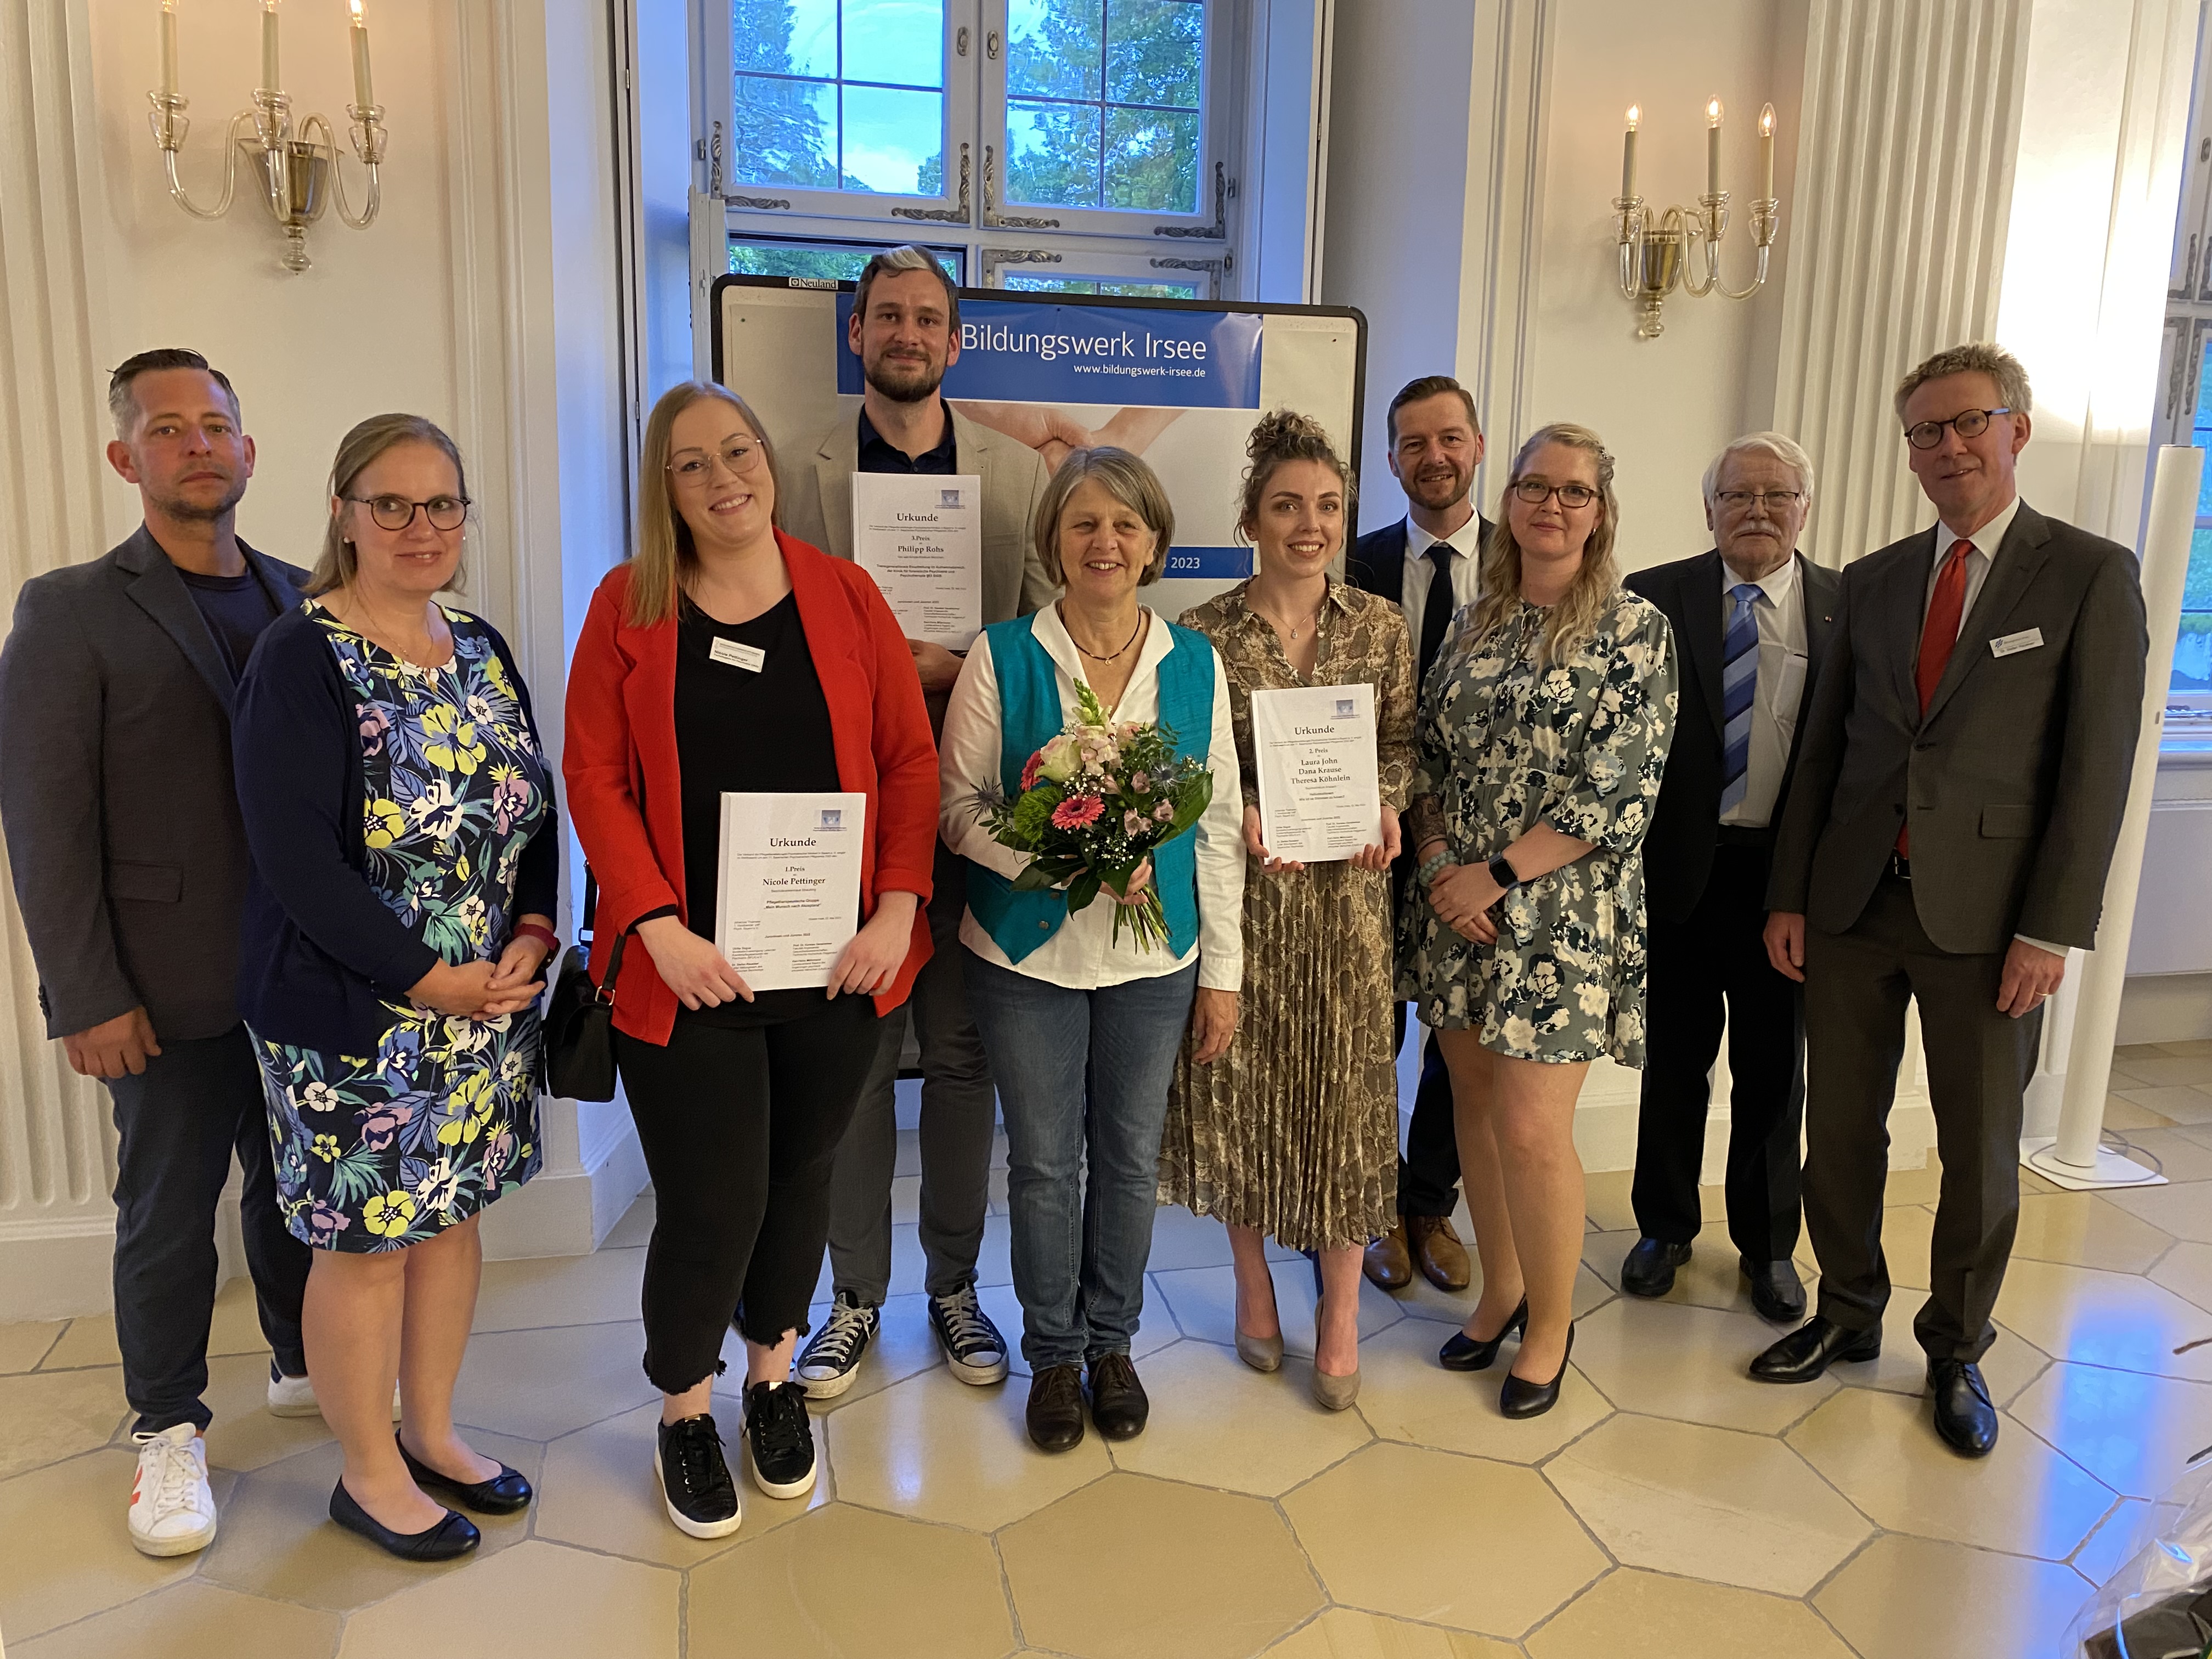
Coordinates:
(1648, 1269)
(1964, 1416)
(454, 1535)
(1807, 1351)
(1776, 1291)
(1055, 1408)
(1522, 1398)
(1118, 1403)
(505, 1493)
(1461, 1353)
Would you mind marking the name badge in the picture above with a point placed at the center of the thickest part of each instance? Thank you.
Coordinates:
(751, 657)
(2026, 640)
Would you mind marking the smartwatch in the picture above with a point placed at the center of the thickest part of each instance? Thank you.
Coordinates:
(1502, 872)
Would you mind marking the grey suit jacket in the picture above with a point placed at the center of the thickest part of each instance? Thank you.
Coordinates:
(817, 504)
(123, 834)
(2014, 782)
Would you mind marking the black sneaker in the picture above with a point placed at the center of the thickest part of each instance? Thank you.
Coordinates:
(973, 1348)
(694, 1481)
(831, 1358)
(781, 1438)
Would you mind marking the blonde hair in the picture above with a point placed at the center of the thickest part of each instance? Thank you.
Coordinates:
(1128, 481)
(358, 450)
(1573, 621)
(1281, 438)
(664, 554)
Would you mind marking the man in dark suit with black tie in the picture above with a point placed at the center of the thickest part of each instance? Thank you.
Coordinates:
(1958, 793)
(1429, 563)
(1752, 619)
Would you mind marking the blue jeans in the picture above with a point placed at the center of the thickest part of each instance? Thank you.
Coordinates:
(1080, 1073)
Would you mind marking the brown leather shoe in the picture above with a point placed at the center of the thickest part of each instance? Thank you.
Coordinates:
(1387, 1264)
(1437, 1249)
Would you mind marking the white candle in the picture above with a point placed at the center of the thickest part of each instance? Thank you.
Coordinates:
(1766, 153)
(1628, 155)
(363, 94)
(1713, 148)
(270, 81)
(168, 48)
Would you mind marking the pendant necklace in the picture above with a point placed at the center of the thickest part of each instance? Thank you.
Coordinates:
(1093, 655)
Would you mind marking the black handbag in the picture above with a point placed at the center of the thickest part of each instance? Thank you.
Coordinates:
(579, 1019)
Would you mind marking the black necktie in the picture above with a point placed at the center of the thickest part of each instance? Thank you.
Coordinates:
(1436, 610)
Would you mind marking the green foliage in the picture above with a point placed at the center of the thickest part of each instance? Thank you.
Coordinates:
(929, 177)
(835, 265)
(780, 136)
(1125, 81)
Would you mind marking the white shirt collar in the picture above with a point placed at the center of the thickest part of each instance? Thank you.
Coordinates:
(1419, 541)
(1986, 540)
(1052, 634)
(1777, 584)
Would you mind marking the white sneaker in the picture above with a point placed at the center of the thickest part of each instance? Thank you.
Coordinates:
(172, 1511)
(295, 1397)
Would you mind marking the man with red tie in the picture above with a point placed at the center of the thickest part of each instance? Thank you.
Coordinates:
(1945, 842)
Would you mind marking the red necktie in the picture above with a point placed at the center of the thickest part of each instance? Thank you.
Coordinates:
(1938, 635)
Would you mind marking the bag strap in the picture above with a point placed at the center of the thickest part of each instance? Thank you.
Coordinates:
(613, 974)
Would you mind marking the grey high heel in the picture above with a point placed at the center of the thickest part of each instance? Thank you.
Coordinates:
(1261, 1353)
(1335, 1394)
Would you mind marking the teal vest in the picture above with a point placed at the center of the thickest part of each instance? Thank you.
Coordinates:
(1029, 717)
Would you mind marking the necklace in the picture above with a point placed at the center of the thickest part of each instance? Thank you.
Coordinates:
(1062, 611)
(1296, 629)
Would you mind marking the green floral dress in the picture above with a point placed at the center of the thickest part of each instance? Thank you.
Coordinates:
(1505, 742)
(375, 1152)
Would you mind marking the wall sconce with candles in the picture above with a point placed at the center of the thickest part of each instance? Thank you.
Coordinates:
(298, 166)
(1655, 253)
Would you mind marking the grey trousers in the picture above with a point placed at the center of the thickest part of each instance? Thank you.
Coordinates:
(1979, 1060)
(958, 1107)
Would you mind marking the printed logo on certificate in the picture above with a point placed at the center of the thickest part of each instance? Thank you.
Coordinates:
(1320, 795)
(789, 899)
(920, 536)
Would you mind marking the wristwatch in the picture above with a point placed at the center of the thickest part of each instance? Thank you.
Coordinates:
(1502, 872)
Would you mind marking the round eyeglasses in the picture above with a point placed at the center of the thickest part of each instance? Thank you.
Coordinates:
(1968, 423)
(397, 512)
(1536, 492)
(693, 467)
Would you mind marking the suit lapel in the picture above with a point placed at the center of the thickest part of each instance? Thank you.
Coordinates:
(156, 588)
(1817, 590)
(2019, 556)
(1901, 610)
(1701, 635)
(834, 464)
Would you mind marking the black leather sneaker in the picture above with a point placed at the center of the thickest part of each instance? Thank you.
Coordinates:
(781, 1438)
(695, 1480)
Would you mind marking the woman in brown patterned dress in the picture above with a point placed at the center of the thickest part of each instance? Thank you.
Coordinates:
(1293, 1133)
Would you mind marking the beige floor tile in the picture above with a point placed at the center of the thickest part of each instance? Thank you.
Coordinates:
(2112, 1543)
(2186, 1270)
(1406, 1395)
(637, 1225)
(57, 1414)
(539, 1384)
(244, 1436)
(2010, 1364)
(1203, 1301)
(536, 1599)
(1217, 1422)
(193, 1620)
(938, 1449)
(1707, 1503)
(849, 1583)
(1156, 1326)
(2176, 1104)
(2105, 1319)
(1207, 1575)
(1181, 1239)
(597, 1288)
(1396, 1529)
(2128, 1053)
(2124, 1113)
(2180, 1154)
(1606, 1198)
(1915, 1598)
(1922, 1186)
(1882, 1452)
(904, 1346)
(2133, 1431)
(67, 1552)
(1654, 1617)
(2199, 1133)
(1346, 1633)
(2181, 1208)
(2195, 1049)
(278, 1539)
(1711, 1278)
(2086, 1230)
(24, 1345)
(1689, 1363)
(234, 1327)
(2169, 1070)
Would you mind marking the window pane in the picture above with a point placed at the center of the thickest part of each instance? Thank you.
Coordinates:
(1151, 161)
(1155, 52)
(1120, 290)
(825, 261)
(785, 132)
(901, 41)
(893, 141)
(1051, 154)
(1053, 49)
(785, 37)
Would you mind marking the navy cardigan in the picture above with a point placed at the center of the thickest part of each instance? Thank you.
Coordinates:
(321, 952)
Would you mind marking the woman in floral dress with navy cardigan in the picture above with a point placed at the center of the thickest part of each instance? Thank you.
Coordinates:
(405, 861)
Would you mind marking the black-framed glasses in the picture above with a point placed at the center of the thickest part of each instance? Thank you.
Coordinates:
(1536, 492)
(739, 455)
(397, 512)
(1772, 500)
(1968, 423)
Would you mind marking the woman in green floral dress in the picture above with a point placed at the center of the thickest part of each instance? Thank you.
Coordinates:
(1543, 733)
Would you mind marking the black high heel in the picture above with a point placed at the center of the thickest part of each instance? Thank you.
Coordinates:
(505, 1493)
(1522, 1398)
(454, 1535)
(1462, 1352)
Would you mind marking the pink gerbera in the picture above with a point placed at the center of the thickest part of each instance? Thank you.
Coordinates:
(1029, 768)
(1077, 812)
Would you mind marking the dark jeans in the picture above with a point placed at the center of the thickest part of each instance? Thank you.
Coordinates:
(1082, 1075)
(1428, 1169)
(179, 1121)
(738, 1123)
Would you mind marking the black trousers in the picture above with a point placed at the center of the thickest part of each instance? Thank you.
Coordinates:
(1979, 1060)
(1709, 970)
(1428, 1169)
(179, 1121)
(740, 1124)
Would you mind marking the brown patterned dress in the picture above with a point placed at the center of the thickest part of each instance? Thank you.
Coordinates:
(1294, 1131)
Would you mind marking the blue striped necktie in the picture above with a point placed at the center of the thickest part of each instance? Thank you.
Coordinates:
(1738, 691)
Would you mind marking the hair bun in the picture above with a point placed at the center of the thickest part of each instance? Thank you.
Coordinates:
(1284, 429)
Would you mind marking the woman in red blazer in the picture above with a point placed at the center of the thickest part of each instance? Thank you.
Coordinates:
(726, 657)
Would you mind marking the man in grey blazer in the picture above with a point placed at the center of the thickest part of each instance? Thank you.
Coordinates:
(1946, 839)
(905, 330)
(130, 862)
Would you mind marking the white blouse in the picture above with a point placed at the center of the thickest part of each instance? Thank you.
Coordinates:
(1082, 955)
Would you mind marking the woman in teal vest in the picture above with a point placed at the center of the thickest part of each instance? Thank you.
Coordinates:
(1082, 1029)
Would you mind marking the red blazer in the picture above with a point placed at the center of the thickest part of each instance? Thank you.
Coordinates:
(625, 790)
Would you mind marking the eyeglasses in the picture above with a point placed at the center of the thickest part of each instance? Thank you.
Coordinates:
(1968, 423)
(397, 512)
(1536, 492)
(740, 456)
(1771, 500)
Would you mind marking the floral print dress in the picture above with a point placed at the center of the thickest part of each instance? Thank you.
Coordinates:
(375, 1152)
(1507, 742)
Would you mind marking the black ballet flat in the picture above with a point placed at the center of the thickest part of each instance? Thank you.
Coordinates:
(1521, 1398)
(1463, 1353)
(455, 1535)
(505, 1493)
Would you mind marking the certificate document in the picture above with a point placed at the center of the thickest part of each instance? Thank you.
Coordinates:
(790, 897)
(1320, 794)
(920, 536)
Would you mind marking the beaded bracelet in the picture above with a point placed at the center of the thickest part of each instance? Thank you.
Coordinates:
(1430, 866)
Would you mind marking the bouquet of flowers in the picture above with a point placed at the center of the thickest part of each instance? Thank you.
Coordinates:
(1095, 802)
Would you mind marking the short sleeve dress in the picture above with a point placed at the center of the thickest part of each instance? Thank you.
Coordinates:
(1506, 742)
(376, 1152)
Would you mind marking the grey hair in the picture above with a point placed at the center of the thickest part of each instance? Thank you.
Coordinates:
(1785, 449)
(1129, 481)
(1975, 357)
(910, 256)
